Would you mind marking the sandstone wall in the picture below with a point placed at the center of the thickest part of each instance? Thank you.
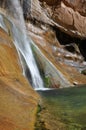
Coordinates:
(18, 101)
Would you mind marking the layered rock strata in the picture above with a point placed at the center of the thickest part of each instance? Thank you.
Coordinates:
(67, 15)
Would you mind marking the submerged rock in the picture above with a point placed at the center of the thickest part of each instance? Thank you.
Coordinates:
(63, 109)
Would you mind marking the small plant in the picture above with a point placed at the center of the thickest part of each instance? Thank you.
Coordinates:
(83, 72)
(47, 81)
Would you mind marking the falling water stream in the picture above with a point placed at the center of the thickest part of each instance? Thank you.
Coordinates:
(22, 42)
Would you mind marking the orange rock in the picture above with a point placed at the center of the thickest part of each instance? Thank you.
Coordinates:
(18, 101)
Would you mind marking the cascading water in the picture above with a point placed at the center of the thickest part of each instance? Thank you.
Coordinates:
(22, 43)
(23, 46)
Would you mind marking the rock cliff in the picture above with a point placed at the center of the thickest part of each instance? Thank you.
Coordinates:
(67, 15)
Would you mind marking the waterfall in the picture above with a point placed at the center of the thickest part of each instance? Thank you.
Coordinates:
(22, 42)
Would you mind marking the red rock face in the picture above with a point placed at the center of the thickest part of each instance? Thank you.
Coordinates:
(68, 15)
(78, 5)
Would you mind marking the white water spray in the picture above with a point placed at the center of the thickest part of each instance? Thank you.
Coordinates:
(22, 43)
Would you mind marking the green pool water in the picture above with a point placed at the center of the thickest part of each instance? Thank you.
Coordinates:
(64, 109)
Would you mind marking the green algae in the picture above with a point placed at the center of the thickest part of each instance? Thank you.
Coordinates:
(47, 81)
(39, 125)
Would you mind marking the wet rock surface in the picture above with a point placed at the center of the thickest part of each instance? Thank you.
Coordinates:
(58, 29)
(18, 101)
(63, 52)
